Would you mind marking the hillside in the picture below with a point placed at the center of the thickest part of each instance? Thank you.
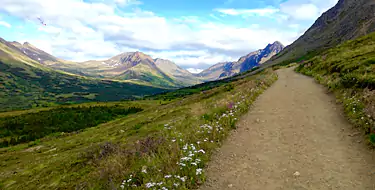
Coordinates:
(25, 83)
(245, 63)
(347, 20)
(349, 71)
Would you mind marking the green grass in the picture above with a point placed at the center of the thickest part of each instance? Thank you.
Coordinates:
(349, 71)
(166, 143)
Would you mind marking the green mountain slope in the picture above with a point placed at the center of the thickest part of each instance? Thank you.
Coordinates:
(347, 20)
(25, 83)
(180, 75)
(134, 66)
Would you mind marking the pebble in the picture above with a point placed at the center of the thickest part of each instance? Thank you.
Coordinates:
(296, 174)
(230, 185)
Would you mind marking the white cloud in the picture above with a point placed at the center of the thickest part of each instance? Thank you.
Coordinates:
(127, 2)
(249, 12)
(300, 11)
(194, 71)
(306, 9)
(3, 23)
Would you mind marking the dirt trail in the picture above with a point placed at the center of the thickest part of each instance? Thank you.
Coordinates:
(294, 138)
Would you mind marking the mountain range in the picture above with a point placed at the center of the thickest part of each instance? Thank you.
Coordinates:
(132, 66)
(140, 68)
(245, 63)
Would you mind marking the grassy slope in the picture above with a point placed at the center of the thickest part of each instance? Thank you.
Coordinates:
(349, 71)
(145, 73)
(26, 84)
(152, 141)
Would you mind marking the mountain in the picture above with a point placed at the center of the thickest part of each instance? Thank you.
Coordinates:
(25, 83)
(35, 53)
(245, 63)
(140, 67)
(180, 75)
(347, 20)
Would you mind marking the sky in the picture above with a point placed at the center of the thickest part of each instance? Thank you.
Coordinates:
(194, 34)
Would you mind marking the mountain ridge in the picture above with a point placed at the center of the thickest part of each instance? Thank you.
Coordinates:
(119, 67)
(347, 20)
(244, 63)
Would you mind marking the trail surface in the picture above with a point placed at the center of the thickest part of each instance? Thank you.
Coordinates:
(294, 138)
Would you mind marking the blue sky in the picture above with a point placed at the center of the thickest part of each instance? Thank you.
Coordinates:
(193, 33)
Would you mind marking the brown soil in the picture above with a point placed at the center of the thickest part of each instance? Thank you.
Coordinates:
(294, 137)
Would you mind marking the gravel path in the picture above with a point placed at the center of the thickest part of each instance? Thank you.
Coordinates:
(294, 138)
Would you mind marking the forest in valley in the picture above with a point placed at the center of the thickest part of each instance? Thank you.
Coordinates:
(32, 126)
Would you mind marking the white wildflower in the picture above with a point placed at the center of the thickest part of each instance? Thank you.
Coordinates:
(183, 179)
(168, 176)
(192, 146)
(202, 151)
(185, 158)
(149, 185)
(144, 170)
(198, 171)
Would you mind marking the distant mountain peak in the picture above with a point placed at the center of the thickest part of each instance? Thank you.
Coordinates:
(277, 43)
(15, 42)
(245, 63)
